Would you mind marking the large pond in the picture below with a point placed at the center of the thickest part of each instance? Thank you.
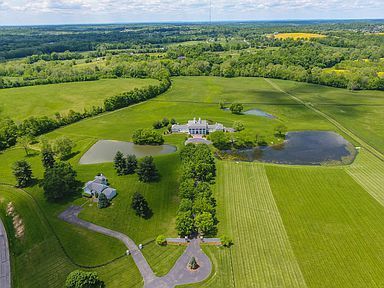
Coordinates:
(302, 148)
(105, 150)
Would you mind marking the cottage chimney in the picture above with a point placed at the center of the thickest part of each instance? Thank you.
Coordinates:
(194, 119)
(199, 120)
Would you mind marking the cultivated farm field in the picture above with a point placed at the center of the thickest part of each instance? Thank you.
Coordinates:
(298, 35)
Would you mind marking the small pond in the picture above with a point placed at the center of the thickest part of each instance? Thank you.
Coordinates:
(257, 112)
(105, 150)
(301, 148)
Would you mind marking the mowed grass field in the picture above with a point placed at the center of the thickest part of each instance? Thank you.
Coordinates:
(46, 100)
(298, 226)
(358, 111)
(270, 239)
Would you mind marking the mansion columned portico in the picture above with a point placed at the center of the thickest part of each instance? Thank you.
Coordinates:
(197, 127)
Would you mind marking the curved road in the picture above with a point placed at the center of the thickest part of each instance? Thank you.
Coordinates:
(178, 275)
(5, 263)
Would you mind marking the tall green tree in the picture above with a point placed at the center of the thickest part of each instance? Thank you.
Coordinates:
(23, 173)
(140, 205)
(59, 181)
(185, 224)
(47, 155)
(205, 223)
(119, 163)
(8, 133)
(103, 201)
(131, 164)
(146, 170)
(62, 147)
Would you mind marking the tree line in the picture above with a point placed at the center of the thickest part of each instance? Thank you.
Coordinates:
(197, 209)
(35, 126)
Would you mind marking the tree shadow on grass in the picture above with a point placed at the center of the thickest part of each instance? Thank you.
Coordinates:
(70, 156)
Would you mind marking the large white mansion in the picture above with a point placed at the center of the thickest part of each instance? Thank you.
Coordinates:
(197, 127)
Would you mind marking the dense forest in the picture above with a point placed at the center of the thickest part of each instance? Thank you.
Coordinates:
(349, 54)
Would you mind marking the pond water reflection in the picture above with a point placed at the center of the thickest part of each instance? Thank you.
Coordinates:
(105, 150)
(301, 148)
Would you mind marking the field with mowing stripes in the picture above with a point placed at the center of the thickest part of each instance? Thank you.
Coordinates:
(292, 226)
(335, 227)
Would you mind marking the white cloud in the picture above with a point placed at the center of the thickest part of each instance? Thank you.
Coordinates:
(176, 10)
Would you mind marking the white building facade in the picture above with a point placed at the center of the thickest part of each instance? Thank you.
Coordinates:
(197, 127)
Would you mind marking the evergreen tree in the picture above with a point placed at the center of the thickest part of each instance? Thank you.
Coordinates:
(147, 170)
(140, 205)
(103, 201)
(23, 173)
(119, 163)
(131, 164)
(47, 156)
(192, 264)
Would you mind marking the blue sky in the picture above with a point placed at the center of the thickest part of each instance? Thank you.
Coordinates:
(20, 12)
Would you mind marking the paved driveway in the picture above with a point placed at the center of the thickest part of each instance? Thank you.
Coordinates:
(5, 264)
(178, 275)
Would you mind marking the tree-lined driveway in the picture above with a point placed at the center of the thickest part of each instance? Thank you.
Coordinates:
(178, 275)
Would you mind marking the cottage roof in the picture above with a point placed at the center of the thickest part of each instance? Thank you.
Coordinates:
(96, 187)
(109, 192)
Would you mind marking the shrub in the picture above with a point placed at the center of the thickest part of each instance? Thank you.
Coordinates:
(165, 121)
(82, 279)
(226, 241)
(157, 124)
(161, 240)
(147, 137)
(236, 108)
(281, 130)
(238, 126)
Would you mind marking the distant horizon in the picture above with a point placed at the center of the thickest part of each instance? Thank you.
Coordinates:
(202, 22)
(76, 12)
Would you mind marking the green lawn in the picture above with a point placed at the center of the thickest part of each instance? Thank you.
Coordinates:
(285, 221)
(37, 259)
(359, 111)
(161, 196)
(46, 100)
(334, 226)
(162, 258)
(262, 255)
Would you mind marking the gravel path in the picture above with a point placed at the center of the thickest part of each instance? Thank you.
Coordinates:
(178, 275)
(5, 264)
